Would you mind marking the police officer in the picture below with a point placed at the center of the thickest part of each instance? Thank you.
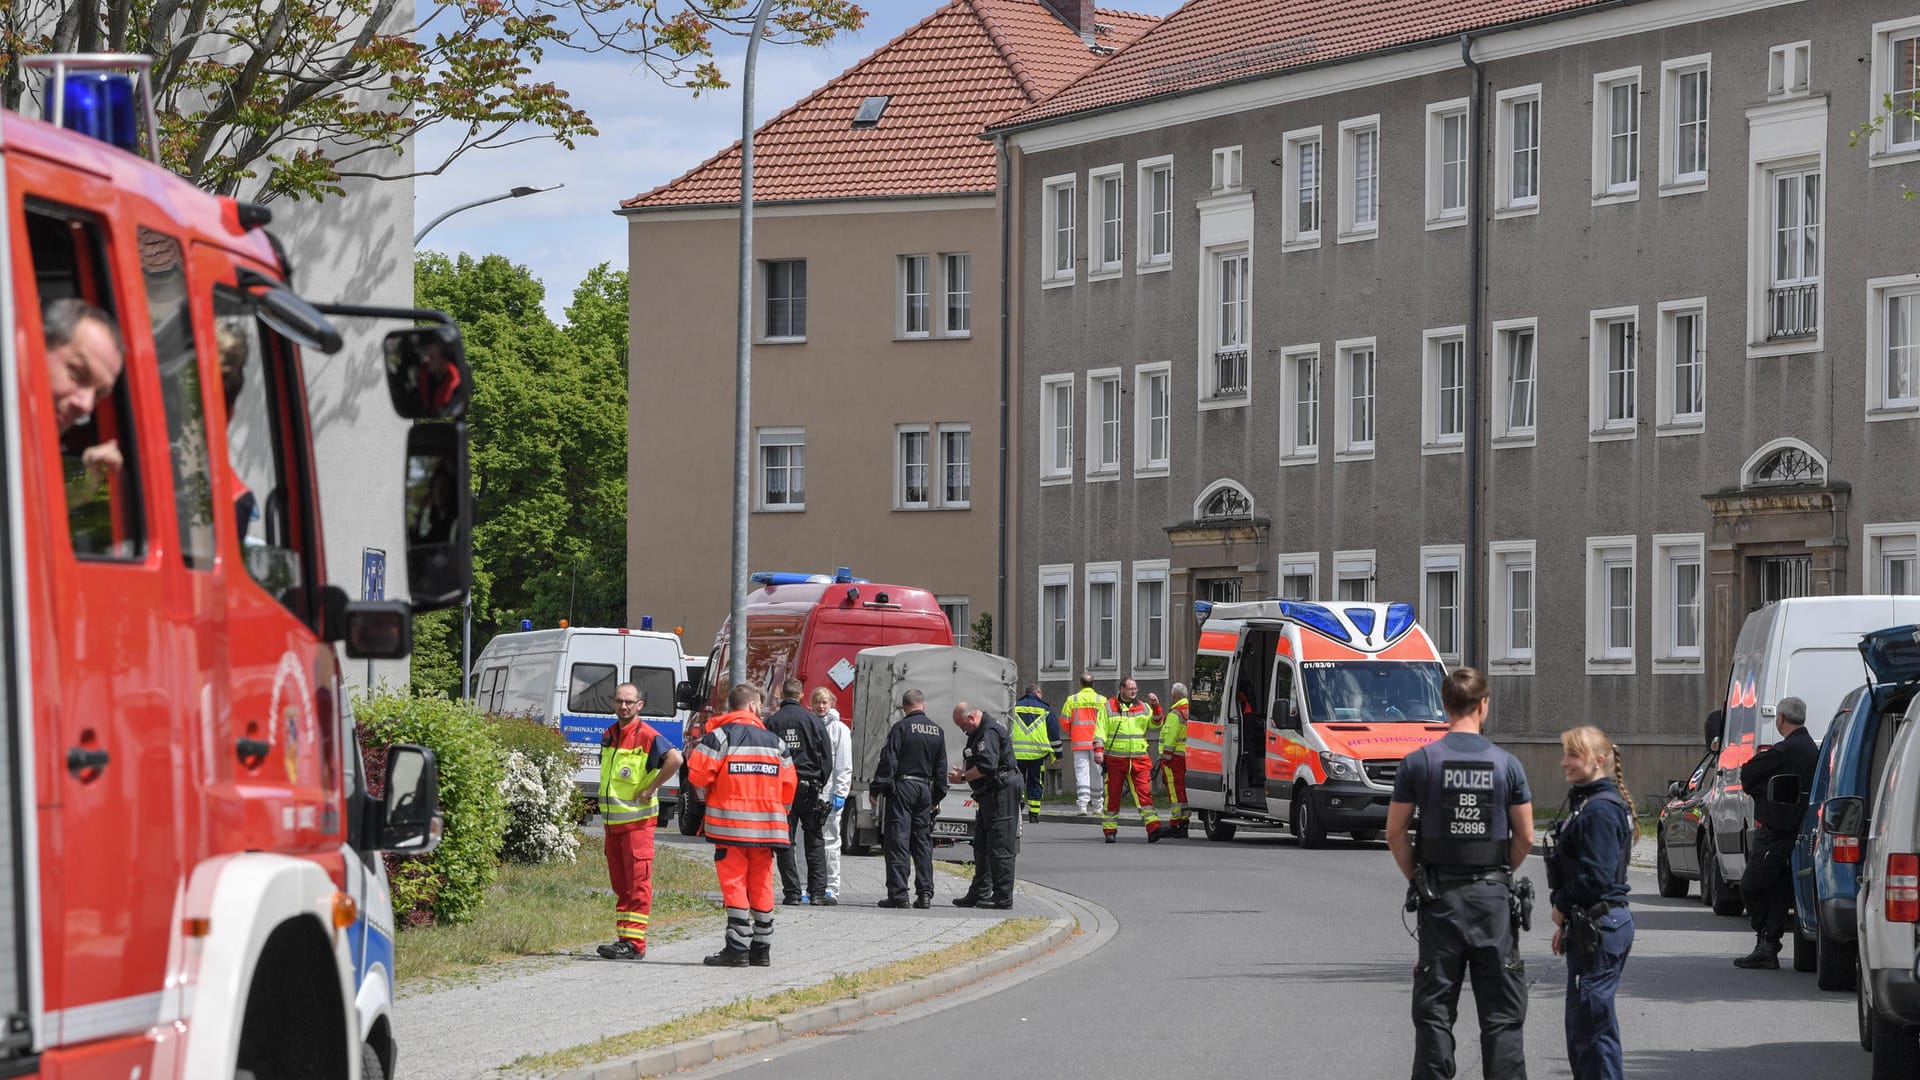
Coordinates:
(1767, 883)
(1587, 853)
(1036, 741)
(912, 774)
(1476, 824)
(987, 767)
(806, 737)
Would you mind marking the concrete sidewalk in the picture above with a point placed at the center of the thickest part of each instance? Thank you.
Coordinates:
(551, 1003)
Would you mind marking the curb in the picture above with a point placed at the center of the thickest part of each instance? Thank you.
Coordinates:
(706, 1048)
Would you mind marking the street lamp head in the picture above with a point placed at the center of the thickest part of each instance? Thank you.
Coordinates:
(524, 190)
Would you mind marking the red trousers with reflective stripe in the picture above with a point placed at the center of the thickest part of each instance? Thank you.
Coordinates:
(630, 867)
(1175, 766)
(1137, 772)
(746, 876)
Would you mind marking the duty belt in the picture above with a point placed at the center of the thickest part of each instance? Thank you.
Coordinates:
(1460, 875)
(914, 776)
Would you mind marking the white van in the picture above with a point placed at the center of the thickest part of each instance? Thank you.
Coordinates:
(1888, 911)
(565, 678)
(1806, 647)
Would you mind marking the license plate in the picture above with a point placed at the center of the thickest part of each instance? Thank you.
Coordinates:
(953, 828)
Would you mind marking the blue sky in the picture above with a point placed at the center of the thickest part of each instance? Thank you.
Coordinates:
(649, 134)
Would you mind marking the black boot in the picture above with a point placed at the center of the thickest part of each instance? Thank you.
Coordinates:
(1764, 957)
(727, 957)
(760, 955)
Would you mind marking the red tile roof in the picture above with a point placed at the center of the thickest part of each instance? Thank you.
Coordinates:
(1209, 42)
(970, 62)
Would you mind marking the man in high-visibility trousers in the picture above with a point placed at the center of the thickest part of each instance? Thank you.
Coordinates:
(1036, 738)
(634, 762)
(1082, 714)
(747, 781)
(1173, 761)
(1121, 744)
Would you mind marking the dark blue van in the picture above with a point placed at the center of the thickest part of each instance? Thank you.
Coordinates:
(1826, 861)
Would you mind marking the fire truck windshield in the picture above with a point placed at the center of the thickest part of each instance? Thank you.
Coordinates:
(1373, 692)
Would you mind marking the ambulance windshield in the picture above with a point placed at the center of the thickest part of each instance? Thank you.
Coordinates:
(1372, 692)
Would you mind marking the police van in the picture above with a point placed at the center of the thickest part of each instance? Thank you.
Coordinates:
(565, 677)
(1299, 714)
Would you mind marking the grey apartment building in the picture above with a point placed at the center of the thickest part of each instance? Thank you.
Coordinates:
(1586, 327)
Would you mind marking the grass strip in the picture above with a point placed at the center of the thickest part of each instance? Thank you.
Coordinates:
(758, 1009)
(549, 908)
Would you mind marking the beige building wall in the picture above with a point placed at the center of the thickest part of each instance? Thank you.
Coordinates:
(849, 385)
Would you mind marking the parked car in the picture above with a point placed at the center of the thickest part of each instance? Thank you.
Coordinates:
(1676, 839)
(1888, 910)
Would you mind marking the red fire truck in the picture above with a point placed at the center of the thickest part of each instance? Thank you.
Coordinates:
(173, 782)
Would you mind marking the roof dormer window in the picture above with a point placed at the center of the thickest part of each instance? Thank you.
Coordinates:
(870, 110)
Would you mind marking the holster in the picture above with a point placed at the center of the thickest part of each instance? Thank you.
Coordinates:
(1520, 905)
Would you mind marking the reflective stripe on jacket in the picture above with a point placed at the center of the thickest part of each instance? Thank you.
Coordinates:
(1173, 729)
(1029, 732)
(1083, 713)
(749, 781)
(1123, 731)
(630, 762)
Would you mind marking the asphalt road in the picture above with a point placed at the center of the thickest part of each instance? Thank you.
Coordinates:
(1255, 958)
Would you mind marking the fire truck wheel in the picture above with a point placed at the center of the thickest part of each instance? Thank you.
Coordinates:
(1216, 827)
(691, 815)
(1304, 824)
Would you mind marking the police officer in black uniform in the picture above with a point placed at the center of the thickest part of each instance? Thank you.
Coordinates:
(1767, 883)
(988, 768)
(912, 775)
(1475, 826)
(1586, 856)
(806, 738)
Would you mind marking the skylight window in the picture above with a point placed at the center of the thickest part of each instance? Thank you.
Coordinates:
(870, 110)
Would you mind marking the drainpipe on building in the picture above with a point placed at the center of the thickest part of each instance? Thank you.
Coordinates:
(1470, 651)
(1005, 201)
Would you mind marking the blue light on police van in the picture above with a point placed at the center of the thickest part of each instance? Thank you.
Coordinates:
(100, 104)
(646, 622)
(1400, 618)
(526, 624)
(1362, 619)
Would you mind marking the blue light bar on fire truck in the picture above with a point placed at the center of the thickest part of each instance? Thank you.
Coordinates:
(94, 94)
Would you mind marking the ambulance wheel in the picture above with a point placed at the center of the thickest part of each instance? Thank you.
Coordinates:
(1216, 827)
(1304, 824)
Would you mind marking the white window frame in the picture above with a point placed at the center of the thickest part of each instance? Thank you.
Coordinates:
(777, 436)
(1790, 71)
(1441, 215)
(943, 463)
(1358, 564)
(963, 633)
(1299, 564)
(1227, 169)
(900, 434)
(1052, 469)
(1670, 551)
(1292, 145)
(1505, 333)
(1351, 229)
(1672, 73)
(1433, 397)
(1893, 540)
(1105, 575)
(1054, 272)
(1150, 571)
(1505, 203)
(1606, 554)
(1144, 376)
(1605, 188)
(1150, 260)
(948, 259)
(1881, 404)
(1099, 380)
(1784, 136)
(1769, 227)
(1346, 445)
(903, 308)
(1504, 558)
(1882, 147)
(1444, 559)
(1212, 316)
(1292, 450)
(1668, 419)
(1101, 263)
(1600, 426)
(1060, 576)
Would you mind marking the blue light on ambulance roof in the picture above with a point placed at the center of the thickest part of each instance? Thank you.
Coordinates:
(1400, 618)
(100, 104)
(646, 622)
(1362, 619)
(1317, 617)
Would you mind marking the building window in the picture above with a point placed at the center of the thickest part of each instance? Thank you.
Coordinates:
(1896, 86)
(1226, 169)
(1150, 616)
(1893, 365)
(1354, 385)
(786, 313)
(1107, 195)
(1613, 408)
(1153, 418)
(1787, 70)
(1516, 374)
(956, 466)
(959, 613)
(1056, 427)
(1511, 605)
(913, 469)
(1893, 559)
(1223, 500)
(958, 306)
(1056, 618)
(1103, 423)
(1679, 586)
(1447, 165)
(1058, 197)
(783, 468)
(1300, 576)
(1103, 615)
(1360, 164)
(1793, 290)
(1444, 390)
(1232, 323)
(1683, 120)
(1353, 576)
(1300, 162)
(1440, 597)
(1683, 365)
(1156, 212)
(1517, 166)
(1616, 135)
(1610, 629)
(916, 296)
(1300, 412)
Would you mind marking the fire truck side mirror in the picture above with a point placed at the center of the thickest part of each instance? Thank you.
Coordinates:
(410, 821)
(439, 516)
(427, 373)
(296, 320)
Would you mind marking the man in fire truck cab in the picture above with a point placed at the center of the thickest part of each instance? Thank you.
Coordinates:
(84, 357)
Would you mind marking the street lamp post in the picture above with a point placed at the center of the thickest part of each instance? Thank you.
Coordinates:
(743, 365)
(516, 193)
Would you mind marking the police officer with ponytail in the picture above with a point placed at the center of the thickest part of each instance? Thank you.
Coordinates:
(1587, 851)
(1474, 829)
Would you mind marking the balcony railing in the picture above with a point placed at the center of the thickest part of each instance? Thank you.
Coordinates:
(1230, 372)
(1793, 311)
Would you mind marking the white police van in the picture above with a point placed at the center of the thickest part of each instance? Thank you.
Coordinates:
(565, 679)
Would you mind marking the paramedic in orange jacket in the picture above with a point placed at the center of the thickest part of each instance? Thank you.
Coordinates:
(747, 781)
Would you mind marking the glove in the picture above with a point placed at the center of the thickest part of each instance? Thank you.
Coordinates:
(839, 801)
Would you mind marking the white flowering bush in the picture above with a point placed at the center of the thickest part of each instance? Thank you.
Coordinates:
(537, 785)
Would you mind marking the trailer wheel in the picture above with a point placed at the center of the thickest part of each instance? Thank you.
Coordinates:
(1216, 827)
(850, 832)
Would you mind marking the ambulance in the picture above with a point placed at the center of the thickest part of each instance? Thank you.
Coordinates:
(177, 811)
(1300, 713)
